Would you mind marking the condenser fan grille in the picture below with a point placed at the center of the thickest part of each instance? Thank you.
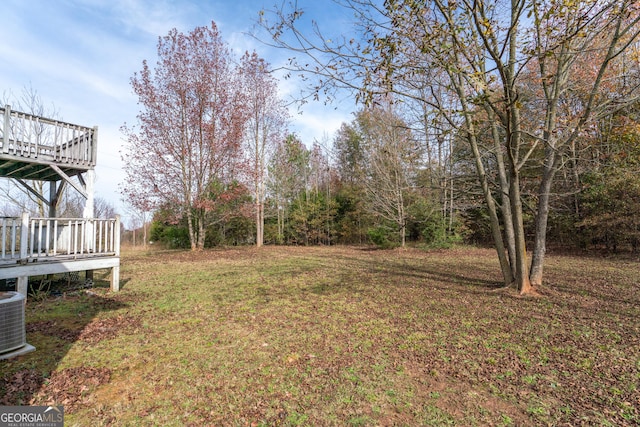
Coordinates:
(12, 331)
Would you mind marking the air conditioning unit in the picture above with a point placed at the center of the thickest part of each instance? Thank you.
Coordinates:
(12, 331)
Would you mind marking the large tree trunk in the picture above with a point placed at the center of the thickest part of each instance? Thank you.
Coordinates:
(552, 94)
(202, 231)
(402, 220)
(259, 222)
(505, 204)
(496, 232)
(258, 174)
(542, 218)
(513, 140)
(280, 212)
(144, 232)
(522, 271)
(193, 239)
(260, 225)
(505, 265)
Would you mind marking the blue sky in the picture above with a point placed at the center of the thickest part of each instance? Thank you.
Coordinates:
(79, 56)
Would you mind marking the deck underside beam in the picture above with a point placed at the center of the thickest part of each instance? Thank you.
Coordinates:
(80, 188)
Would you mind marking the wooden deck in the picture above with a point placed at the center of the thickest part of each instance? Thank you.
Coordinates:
(42, 149)
(34, 148)
(42, 246)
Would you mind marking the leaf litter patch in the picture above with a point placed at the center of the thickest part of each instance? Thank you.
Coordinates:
(72, 387)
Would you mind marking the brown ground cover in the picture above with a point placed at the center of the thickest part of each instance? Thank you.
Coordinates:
(337, 336)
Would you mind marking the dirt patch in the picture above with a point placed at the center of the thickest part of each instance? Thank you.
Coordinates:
(459, 397)
(93, 332)
(108, 328)
(53, 328)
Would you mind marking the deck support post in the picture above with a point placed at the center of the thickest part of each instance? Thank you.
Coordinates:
(115, 279)
(89, 188)
(115, 271)
(22, 285)
(53, 199)
(88, 213)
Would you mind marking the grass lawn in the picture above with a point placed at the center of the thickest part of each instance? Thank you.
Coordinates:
(337, 336)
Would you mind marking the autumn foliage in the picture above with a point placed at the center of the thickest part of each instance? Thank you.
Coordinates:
(186, 149)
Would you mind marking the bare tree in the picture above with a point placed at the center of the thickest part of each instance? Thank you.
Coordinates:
(265, 126)
(392, 158)
(288, 175)
(138, 219)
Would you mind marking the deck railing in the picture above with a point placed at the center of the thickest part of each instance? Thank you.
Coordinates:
(36, 137)
(28, 239)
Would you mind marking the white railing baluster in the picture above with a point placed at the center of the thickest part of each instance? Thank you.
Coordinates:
(107, 236)
(4, 237)
(74, 231)
(38, 134)
(82, 236)
(14, 230)
(113, 237)
(5, 130)
(39, 237)
(100, 236)
(24, 236)
(48, 240)
(55, 237)
(32, 238)
(70, 237)
(74, 145)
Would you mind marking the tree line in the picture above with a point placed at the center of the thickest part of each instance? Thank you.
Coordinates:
(364, 188)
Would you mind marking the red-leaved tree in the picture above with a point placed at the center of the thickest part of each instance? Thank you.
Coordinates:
(186, 144)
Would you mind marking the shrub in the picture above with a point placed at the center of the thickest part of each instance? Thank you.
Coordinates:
(383, 237)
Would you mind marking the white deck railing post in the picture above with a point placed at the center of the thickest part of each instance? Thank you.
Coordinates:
(93, 149)
(24, 237)
(23, 281)
(5, 130)
(115, 271)
(117, 237)
(4, 237)
(55, 237)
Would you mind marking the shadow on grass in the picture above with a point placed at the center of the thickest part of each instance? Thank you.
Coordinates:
(53, 325)
(472, 279)
(437, 277)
